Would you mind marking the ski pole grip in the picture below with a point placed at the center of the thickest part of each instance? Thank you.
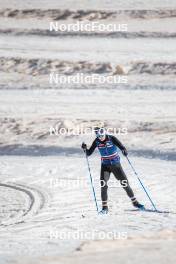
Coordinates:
(84, 147)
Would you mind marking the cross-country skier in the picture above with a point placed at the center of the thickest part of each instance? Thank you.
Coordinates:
(110, 162)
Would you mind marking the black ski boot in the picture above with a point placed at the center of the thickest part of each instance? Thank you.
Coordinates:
(104, 210)
(138, 205)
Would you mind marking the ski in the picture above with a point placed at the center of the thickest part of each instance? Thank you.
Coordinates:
(150, 211)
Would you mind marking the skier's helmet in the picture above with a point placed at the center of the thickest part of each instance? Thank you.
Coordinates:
(100, 132)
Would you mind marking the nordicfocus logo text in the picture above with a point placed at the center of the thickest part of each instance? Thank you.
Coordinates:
(88, 27)
(55, 79)
(58, 130)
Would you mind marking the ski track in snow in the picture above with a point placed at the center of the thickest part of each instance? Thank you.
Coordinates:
(34, 202)
(44, 200)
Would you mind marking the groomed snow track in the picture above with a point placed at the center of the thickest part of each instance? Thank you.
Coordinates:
(25, 202)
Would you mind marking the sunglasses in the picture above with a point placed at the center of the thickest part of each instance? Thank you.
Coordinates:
(100, 133)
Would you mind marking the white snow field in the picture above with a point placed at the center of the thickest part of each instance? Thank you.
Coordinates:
(47, 209)
(41, 199)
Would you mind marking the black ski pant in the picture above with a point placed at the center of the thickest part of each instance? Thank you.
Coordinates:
(119, 174)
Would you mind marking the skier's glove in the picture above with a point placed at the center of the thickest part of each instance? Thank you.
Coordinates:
(84, 146)
(125, 152)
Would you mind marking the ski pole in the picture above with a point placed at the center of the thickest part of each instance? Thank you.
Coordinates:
(91, 181)
(141, 184)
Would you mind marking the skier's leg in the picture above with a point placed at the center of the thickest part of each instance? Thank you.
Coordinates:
(121, 176)
(104, 177)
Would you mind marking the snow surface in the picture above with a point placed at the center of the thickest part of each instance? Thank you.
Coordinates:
(45, 191)
(60, 194)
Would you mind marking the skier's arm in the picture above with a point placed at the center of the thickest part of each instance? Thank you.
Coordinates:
(119, 145)
(91, 149)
